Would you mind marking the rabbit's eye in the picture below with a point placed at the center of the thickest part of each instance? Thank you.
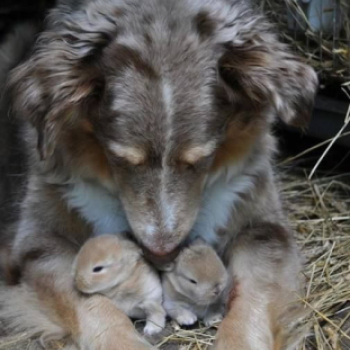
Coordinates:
(97, 269)
(193, 281)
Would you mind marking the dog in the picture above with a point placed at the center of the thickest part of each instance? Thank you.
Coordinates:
(155, 117)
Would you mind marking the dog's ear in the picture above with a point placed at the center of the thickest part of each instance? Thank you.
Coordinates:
(266, 74)
(59, 77)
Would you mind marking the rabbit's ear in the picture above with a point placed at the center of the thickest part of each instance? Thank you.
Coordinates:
(133, 247)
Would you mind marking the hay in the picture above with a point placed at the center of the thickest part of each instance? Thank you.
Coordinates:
(328, 53)
(319, 210)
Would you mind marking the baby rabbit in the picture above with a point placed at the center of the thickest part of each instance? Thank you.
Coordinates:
(114, 267)
(195, 286)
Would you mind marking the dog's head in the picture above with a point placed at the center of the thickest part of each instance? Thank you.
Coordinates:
(150, 100)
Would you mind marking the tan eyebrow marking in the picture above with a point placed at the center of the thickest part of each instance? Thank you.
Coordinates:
(194, 154)
(133, 155)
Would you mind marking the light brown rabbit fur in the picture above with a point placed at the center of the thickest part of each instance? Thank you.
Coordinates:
(155, 117)
(115, 267)
(195, 286)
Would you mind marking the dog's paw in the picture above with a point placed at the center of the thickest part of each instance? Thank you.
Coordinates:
(186, 318)
(212, 320)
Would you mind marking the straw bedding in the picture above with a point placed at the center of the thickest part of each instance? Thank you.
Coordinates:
(327, 52)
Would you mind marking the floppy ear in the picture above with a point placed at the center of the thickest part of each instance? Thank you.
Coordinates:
(48, 88)
(59, 77)
(266, 74)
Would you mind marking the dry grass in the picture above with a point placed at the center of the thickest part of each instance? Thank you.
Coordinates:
(328, 53)
(319, 210)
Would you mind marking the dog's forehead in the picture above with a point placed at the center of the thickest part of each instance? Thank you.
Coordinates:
(169, 86)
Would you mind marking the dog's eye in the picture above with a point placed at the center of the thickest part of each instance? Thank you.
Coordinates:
(190, 167)
(97, 269)
(198, 167)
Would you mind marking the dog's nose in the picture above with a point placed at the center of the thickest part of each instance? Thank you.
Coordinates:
(160, 258)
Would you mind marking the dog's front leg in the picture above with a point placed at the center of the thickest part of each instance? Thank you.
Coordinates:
(103, 327)
(264, 264)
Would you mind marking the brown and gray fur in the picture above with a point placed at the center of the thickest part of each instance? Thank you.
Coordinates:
(155, 117)
(15, 44)
(115, 267)
(195, 287)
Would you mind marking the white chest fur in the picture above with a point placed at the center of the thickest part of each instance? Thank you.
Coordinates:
(98, 207)
(218, 203)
